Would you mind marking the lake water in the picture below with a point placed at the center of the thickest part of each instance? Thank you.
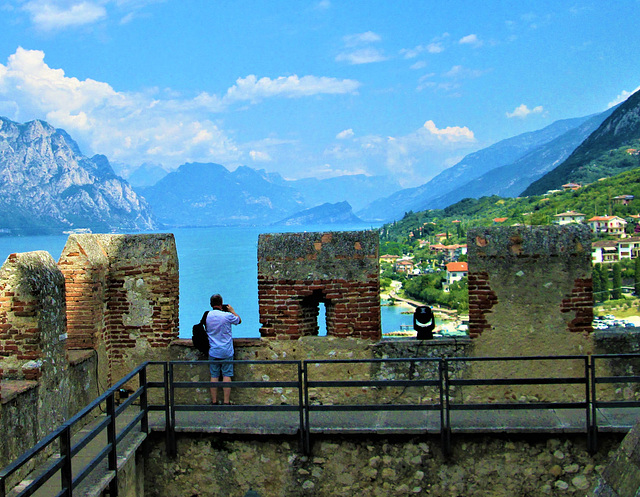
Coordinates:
(214, 260)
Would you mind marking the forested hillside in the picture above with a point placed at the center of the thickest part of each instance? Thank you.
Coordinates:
(594, 199)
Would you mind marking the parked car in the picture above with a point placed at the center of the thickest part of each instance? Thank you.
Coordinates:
(629, 325)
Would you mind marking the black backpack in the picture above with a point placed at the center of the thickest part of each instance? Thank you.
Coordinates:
(199, 336)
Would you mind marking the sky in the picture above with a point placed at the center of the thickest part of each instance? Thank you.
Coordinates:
(316, 88)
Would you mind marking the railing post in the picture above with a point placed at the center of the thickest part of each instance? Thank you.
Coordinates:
(587, 396)
(111, 440)
(144, 401)
(3, 488)
(445, 419)
(307, 434)
(172, 448)
(167, 417)
(302, 429)
(66, 476)
(592, 439)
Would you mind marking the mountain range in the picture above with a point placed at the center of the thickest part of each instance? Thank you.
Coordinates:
(620, 128)
(47, 184)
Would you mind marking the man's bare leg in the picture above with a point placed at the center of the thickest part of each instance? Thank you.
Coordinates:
(214, 391)
(226, 391)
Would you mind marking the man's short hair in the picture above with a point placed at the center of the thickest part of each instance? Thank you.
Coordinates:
(216, 300)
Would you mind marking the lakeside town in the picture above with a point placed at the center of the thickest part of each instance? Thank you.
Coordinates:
(429, 267)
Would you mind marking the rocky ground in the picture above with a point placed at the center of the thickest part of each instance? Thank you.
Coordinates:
(348, 467)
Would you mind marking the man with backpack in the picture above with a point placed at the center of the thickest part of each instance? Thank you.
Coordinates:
(218, 325)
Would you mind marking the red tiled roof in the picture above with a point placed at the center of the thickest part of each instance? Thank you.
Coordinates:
(454, 267)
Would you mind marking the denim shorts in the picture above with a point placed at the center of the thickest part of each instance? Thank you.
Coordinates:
(217, 368)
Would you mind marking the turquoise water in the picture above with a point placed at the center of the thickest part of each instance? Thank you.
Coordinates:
(213, 260)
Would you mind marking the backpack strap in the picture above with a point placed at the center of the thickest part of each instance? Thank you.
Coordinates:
(203, 321)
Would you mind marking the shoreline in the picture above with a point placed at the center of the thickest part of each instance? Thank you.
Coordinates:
(449, 321)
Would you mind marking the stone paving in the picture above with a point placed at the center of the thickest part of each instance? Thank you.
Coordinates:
(236, 420)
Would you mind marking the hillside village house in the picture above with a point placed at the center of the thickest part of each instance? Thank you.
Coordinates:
(404, 266)
(610, 225)
(568, 218)
(455, 272)
(451, 252)
(622, 199)
(388, 258)
(605, 251)
(571, 186)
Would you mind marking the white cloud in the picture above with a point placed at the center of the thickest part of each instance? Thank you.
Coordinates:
(57, 15)
(361, 39)
(343, 135)
(412, 158)
(432, 48)
(155, 125)
(461, 72)
(621, 97)
(49, 15)
(258, 156)
(421, 64)
(362, 56)
(450, 133)
(471, 39)
(253, 89)
(358, 49)
(522, 111)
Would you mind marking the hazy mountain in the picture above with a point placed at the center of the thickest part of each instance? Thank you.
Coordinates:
(338, 213)
(198, 194)
(621, 128)
(470, 174)
(210, 194)
(146, 175)
(512, 179)
(359, 190)
(47, 185)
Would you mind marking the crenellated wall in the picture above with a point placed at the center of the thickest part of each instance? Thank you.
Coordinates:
(530, 294)
(532, 282)
(298, 271)
(40, 387)
(123, 295)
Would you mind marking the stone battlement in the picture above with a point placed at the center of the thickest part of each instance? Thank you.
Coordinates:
(298, 271)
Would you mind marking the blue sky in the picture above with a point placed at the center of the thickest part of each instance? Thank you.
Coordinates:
(318, 88)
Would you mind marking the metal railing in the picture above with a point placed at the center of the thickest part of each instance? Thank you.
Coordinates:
(174, 385)
(62, 460)
(386, 405)
(444, 377)
(582, 405)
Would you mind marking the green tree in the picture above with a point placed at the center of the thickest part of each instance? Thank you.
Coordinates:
(602, 276)
(616, 290)
(596, 279)
(637, 275)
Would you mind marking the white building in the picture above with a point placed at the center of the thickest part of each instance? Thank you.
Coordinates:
(568, 218)
(610, 225)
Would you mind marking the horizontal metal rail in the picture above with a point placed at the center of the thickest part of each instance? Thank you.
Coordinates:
(62, 460)
(173, 385)
(440, 374)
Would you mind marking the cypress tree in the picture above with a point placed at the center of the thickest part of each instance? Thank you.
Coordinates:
(604, 282)
(616, 290)
(596, 278)
(637, 275)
